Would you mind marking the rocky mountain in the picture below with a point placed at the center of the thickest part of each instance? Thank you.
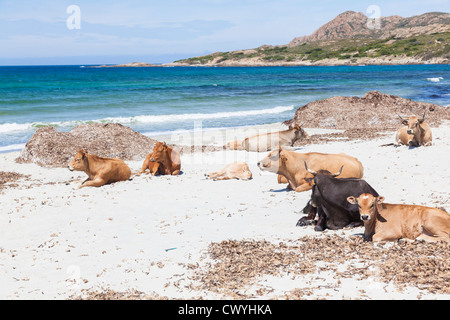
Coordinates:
(352, 24)
(351, 38)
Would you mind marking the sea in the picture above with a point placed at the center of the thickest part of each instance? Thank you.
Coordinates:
(163, 100)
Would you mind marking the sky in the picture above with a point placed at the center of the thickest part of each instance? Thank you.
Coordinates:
(34, 32)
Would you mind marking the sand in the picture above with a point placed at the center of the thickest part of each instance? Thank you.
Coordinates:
(154, 235)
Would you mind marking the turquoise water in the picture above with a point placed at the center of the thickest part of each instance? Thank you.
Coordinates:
(155, 100)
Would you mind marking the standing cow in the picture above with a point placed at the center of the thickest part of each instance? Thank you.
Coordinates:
(416, 132)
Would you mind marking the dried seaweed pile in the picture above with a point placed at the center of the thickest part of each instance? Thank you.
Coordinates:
(8, 179)
(109, 294)
(240, 264)
(374, 110)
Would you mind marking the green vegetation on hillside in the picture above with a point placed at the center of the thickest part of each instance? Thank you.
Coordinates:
(422, 46)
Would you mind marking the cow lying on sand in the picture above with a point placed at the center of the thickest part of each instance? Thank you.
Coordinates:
(329, 197)
(390, 222)
(162, 161)
(291, 166)
(100, 170)
(268, 141)
(415, 133)
(236, 170)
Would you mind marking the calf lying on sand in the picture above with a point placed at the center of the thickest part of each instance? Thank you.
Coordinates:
(236, 170)
(388, 222)
(100, 171)
(162, 161)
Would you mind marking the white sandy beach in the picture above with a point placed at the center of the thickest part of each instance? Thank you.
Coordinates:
(58, 241)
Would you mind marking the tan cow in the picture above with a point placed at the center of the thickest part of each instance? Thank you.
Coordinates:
(100, 170)
(390, 222)
(236, 170)
(415, 133)
(269, 141)
(162, 161)
(291, 165)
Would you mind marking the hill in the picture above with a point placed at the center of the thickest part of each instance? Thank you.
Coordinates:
(351, 38)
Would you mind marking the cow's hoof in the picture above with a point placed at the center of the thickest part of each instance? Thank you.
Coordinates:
(318, 228)
(303, 222)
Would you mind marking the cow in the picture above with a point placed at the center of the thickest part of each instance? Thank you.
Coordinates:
(290, 165)
(268, 141)
(416, 132)
(162, 161)
(329, 197)
(236, 170)
(154, 168)
(390, 222)
(100, 170)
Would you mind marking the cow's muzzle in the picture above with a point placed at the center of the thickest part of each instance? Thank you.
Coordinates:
(409, 131)
(70, 168)
(365, 217)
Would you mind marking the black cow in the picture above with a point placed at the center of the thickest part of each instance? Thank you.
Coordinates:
(329, 197)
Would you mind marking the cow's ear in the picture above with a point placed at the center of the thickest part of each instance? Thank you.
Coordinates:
(404, 122)
(352, 200)
(83, 153)
(421, 121)
(283, 158)
(380, 199)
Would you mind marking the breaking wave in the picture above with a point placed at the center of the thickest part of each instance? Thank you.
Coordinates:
(144, 119)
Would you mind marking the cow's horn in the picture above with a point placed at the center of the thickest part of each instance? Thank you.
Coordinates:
(401, 118)
(309, 170)
(423, 117)
(337, 173)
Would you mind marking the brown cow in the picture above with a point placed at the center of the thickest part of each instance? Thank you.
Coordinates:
(291, 165)
(415, 133)
(390, 222)
(236, 170)
(100, 171)
(268, 141)
(163, 160)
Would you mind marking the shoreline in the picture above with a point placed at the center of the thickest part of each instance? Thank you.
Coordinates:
(153, 235)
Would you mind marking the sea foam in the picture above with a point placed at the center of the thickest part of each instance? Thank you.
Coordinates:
(15, 127)
(435, 79)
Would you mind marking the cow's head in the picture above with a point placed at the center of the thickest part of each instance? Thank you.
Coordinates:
(78, 163)
(159, 152)
(311, 181)
(298, 130)
(367, 204)
(245, 174)
(273, 161)
(413, 123)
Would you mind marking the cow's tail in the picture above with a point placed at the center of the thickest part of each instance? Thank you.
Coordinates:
(387, 145)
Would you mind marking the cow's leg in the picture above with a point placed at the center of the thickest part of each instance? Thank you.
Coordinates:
(309, 219)
(222, 178)
(155, 168)
(322, 221)
(303, 187)
(214, 175)
(98, 182)
(145, 164)
(176, 172)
